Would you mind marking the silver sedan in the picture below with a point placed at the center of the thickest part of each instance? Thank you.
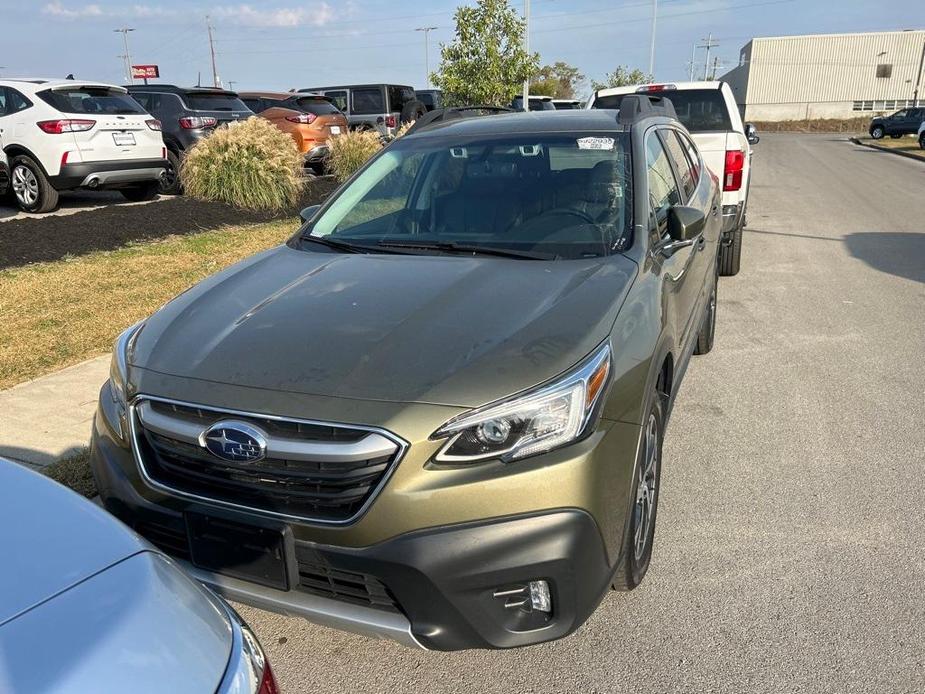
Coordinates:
(87, 605)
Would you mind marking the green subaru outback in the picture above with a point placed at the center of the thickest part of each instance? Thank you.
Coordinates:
(436, 414)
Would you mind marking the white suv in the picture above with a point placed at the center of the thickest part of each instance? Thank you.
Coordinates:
(65, 134)
(708, 110)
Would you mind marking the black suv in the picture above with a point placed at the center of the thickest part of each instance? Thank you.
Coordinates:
(186, 115)
(904, 122)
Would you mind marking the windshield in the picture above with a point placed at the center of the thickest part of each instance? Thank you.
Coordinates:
(552, 195)
(700, 110)
(98, 100)
(317, 105)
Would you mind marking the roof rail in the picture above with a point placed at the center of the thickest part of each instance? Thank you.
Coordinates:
(636, 106)
(445, 115)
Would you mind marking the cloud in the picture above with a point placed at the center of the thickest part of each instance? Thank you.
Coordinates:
(56, 9)
(245, 15)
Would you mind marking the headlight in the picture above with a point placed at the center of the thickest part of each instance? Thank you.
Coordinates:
(530, 423)
(118, 367)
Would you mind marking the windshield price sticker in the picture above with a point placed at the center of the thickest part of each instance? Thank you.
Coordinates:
(599, 143)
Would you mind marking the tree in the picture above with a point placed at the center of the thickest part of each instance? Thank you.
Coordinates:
(622, 77)
(486, 62)
(559, 80)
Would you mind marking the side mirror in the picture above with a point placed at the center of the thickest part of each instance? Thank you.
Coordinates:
(751, 134)
(306, 214)
(685, 224)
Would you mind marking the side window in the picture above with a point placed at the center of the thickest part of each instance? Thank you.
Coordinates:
(17, 102)
(663, 189)
(253, 104)
(681, 163)
(693, 154)
(339, 99)
(4, 102)
(368, 100)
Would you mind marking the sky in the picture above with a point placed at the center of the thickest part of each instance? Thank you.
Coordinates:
(283, 44)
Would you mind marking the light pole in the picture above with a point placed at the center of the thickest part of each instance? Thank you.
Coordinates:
(126, 56)
(426, 31)
(526, 103)
(652, 42)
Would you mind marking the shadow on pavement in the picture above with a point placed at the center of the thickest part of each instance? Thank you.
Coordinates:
(896, 253)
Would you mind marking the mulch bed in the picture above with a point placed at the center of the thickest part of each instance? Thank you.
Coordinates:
(40, 239)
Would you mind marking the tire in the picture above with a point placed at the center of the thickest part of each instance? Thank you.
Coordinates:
(708, 328)
(411, 111)
(169, 183)
(877, 132)
(634, 559)
(31, 188)
(896, 136)
(730, 255)
(141, 192)
(922, 140)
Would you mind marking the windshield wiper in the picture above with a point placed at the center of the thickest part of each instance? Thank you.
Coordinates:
(453, 247)
(342, 246)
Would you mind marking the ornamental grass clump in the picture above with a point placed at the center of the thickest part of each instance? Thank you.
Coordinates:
(348, 152)
(251, 164)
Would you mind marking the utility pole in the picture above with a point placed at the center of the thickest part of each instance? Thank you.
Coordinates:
(708, 43)
(231, 84)
(715, 67)
(426, 31)
(216, 82)
(127, 57)
(527, 51)
(918, 78)
(690, 64)
(652, 42)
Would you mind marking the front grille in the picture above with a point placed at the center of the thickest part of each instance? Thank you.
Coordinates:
(314, 577)
(345, 586)
(313, 471)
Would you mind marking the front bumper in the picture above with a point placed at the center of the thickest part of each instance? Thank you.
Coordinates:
(439, 567)
(101, 175)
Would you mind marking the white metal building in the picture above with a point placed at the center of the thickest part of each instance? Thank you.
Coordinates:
(828, 75)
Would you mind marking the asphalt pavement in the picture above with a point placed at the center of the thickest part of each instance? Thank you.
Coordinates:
(790, 547)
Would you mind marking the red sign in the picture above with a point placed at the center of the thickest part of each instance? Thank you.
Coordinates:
(144, 72)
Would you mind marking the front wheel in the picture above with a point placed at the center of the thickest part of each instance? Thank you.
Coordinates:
(31, 187)
(640, 531)
(141, 192)
(877, 132)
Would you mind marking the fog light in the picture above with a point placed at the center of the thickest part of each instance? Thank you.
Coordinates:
(539, 596)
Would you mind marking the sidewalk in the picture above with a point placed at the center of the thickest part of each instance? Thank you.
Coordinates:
(43, 420)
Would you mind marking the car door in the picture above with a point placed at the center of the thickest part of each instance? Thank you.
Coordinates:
(700, 266)
(674, 267)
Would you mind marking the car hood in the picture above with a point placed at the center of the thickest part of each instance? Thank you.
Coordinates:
(52, 539)
(454, 330)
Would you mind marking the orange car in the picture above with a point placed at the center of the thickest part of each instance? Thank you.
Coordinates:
(310, 118)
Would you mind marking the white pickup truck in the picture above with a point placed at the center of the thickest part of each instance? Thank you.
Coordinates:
(709, 112)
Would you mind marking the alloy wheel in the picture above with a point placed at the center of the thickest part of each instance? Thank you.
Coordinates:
(644, 511)
(25, 186)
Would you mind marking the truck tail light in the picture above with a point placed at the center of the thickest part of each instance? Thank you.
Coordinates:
(304, 118)
(732, 174)
(65, 125)
(197, 122)
(390, 121)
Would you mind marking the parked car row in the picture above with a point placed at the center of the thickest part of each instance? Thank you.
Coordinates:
(133, 139)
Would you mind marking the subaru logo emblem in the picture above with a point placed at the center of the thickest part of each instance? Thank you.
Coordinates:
(236, 442)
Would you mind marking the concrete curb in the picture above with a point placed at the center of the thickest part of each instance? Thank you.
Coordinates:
(907, 155)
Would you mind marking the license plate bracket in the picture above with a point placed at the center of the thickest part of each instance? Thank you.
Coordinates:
(249, 552)
(123, 139)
